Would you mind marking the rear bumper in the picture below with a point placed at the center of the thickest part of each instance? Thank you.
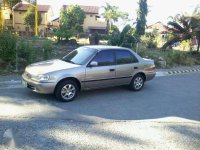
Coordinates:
(150, 75)
(38, 87)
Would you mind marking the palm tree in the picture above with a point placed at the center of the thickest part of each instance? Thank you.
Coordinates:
(180, 28)
(184, 27)
(195, 23)
(112, 14)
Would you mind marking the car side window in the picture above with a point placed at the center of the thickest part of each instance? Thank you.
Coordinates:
(105, 58)
(125, 57)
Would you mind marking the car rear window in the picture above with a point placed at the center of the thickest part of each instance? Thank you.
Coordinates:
(125, 57)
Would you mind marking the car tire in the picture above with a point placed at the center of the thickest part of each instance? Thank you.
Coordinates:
(66, 90)
(137, 82)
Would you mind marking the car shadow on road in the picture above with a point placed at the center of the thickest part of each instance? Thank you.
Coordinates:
(159, 98)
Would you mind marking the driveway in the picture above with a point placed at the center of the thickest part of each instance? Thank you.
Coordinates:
(164, 115)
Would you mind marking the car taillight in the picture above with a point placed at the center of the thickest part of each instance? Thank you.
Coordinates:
(151, 68)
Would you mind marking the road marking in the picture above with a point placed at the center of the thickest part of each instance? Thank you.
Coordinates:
(174, 72)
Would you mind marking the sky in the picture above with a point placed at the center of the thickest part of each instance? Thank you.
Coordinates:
(159, 10)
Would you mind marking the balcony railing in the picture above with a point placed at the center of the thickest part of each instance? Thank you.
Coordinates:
(8, 22)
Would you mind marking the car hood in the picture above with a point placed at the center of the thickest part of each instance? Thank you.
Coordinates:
(49, 66)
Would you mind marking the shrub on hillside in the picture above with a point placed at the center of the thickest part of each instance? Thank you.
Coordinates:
(7, 46)
(125, 38)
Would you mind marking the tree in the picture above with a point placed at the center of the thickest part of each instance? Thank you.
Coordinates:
(12, 3)
(125, 38)
(141, 17)
(112, 14)
(195, 24)
(29, 17)
(71, 22)
(184, 27)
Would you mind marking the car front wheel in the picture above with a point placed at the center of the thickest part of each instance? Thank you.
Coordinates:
(137, 83)
(66, 91)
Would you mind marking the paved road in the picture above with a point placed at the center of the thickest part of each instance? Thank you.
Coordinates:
(164, 115)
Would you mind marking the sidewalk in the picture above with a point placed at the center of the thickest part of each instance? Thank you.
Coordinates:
(10, 78)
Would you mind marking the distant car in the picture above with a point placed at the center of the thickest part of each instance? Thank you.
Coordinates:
(89, 67)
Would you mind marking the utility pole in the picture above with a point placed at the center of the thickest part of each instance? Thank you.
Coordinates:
(36, 18)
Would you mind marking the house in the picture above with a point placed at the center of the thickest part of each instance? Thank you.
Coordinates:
(18, 12)
(92, 22)
(6, 14)
(159, 28)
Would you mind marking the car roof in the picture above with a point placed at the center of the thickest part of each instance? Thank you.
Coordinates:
(106, 47)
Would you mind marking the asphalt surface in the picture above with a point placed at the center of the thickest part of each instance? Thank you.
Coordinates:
(164, 115)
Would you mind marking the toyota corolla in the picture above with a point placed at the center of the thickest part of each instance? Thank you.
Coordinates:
(89, 67)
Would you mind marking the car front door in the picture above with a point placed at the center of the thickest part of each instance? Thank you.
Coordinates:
(126, 64)
(103, 74)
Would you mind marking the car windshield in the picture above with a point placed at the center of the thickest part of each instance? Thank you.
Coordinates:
(80, 56)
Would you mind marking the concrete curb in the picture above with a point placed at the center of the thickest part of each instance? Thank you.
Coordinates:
(183, 71)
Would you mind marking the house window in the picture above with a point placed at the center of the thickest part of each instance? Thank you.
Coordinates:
(91, 15)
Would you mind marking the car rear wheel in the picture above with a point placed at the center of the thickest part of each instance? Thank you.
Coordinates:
(66, 91)
(137, 82)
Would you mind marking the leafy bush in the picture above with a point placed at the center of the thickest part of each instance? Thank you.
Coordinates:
(124, 38)
(186, 45)
(148, 40)
(47, 50)
(24, 51)
(114, 38)
(32, 51)
(103, 37)
(7, 46)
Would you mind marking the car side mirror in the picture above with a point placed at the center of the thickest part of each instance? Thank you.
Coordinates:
(93, 64)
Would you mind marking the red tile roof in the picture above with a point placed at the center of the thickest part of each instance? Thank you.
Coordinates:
(86, 9)
(159, 26)
(24, 7)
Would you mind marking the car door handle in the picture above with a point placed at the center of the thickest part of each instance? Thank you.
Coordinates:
(135, 67)
(112, 69)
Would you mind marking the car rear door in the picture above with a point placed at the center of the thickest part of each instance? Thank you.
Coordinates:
(126, 64)
(103, 74)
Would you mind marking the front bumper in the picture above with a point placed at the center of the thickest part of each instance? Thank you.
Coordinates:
(39, 87)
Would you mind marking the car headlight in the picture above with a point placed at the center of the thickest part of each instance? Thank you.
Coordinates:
(43, 77)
